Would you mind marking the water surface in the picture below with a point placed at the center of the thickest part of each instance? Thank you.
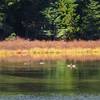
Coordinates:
(50, 79)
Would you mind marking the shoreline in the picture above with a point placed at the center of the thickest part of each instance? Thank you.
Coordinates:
(26, 44)
(50, 54)
(25, 50)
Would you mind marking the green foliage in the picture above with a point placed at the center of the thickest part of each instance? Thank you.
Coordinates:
(63, 34)
(60, 19)
(4, 10)
(1, 19)
(62, 14)
(90, 26)
(11, 37)
(10, 2)
(21, 17)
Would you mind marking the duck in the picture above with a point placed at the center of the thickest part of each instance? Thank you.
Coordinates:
(26, 63)
(72, 66)
(41, 63)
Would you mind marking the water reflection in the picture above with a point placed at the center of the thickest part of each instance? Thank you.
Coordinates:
(51, 77)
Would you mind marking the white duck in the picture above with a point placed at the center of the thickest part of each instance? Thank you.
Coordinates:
(72, 66)
(41, 63)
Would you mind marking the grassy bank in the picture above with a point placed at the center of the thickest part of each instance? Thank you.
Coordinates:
(32, 50)
(26, 44)
(50, 54)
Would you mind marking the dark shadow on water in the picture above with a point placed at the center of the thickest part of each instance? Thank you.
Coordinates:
(56, 79)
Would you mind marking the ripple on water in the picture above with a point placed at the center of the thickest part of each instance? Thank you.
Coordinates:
(50, 97)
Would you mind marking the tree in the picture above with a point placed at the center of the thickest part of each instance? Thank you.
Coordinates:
(22, 17)
(90, 26)
(5, 28)
(62, 14)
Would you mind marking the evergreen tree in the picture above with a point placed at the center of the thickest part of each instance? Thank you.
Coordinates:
(22, 17)
(5, 28)
(90, 26)
(62, 13)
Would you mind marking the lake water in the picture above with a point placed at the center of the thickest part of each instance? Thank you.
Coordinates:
(50, 80)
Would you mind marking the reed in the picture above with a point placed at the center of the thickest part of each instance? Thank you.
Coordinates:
(77, 52)
(26, 44)
(25, 49)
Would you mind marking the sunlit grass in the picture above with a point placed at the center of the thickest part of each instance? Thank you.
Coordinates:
(24, 49)
(51, 52)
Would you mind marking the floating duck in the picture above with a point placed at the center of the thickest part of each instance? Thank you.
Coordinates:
(71, 66)
(41, 63)
(26, 63)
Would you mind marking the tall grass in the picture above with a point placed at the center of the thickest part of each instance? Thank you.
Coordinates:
(26, 44)
(34, 50)
(45, 53)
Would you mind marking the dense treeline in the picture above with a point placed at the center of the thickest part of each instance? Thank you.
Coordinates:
(50, 19)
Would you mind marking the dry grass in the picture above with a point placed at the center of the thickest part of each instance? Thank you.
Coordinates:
(26, 44)
(51, 53)
(25, 50)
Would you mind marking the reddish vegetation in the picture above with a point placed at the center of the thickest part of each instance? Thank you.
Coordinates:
(26, 44)
(20, 44)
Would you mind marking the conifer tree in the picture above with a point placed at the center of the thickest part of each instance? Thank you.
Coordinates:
(62, 13)
(90, 27)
